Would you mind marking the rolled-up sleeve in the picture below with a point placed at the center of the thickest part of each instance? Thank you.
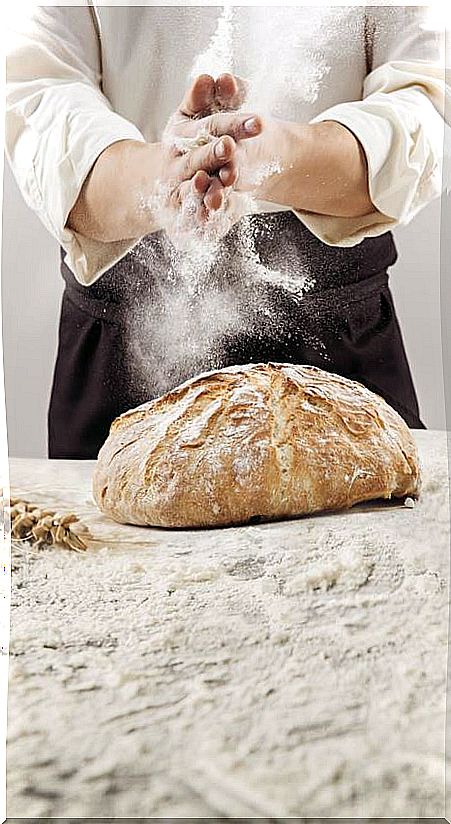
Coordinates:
(399, 123)
(58, 122)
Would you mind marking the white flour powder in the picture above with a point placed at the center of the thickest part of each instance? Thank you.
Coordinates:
(200, 316)
(297, 667)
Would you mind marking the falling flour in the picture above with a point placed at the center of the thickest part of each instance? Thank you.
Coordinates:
(218, 58)
(202, 314)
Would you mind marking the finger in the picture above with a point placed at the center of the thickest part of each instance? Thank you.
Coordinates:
(226, 90)
(201, 181)
(214, 199)
(239, 126)
(228, 174)
(199, 97)
(189, 195)
(185, 197)
(230, 91)
(209, 158)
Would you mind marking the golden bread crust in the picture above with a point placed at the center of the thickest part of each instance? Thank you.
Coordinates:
(256, 441)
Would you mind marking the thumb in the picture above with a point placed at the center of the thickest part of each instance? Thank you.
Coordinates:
(199, 98)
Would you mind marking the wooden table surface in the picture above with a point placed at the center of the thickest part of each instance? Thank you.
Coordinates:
(271, 671)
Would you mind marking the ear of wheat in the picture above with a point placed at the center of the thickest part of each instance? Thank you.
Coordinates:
(42, 526)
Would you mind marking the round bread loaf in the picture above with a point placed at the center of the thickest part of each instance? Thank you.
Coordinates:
(261, 441)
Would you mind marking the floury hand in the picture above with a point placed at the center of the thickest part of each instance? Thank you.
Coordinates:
(135, 188)
(313, 167)
(204, 204)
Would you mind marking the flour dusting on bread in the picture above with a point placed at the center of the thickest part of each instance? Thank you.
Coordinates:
(260, 441)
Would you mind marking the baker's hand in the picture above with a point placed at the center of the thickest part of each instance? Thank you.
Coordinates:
(313, 167)
(146, 183)
(253, 161)
(205, 204)
(207, 96)
(191, 220)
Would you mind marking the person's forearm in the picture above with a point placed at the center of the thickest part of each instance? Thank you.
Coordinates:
(324, 170)
(116, 197)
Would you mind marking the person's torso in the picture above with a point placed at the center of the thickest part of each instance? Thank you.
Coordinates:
(271, 272)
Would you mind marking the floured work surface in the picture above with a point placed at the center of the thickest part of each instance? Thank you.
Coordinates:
(288, 669)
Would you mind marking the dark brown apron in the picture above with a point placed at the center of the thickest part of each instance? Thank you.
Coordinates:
(134, 334)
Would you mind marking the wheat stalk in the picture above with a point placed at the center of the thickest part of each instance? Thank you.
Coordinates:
(42, 526)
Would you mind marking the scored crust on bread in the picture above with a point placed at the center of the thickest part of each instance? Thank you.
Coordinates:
(259, 441)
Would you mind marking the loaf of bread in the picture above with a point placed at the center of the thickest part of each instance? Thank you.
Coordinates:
(254, 442)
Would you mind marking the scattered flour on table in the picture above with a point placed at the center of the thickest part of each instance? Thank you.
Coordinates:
(246, 656)
(349, 569)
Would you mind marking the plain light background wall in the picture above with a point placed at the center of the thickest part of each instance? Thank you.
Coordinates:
(32, 288)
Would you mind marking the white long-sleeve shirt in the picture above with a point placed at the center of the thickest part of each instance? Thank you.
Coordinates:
(80, 78)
